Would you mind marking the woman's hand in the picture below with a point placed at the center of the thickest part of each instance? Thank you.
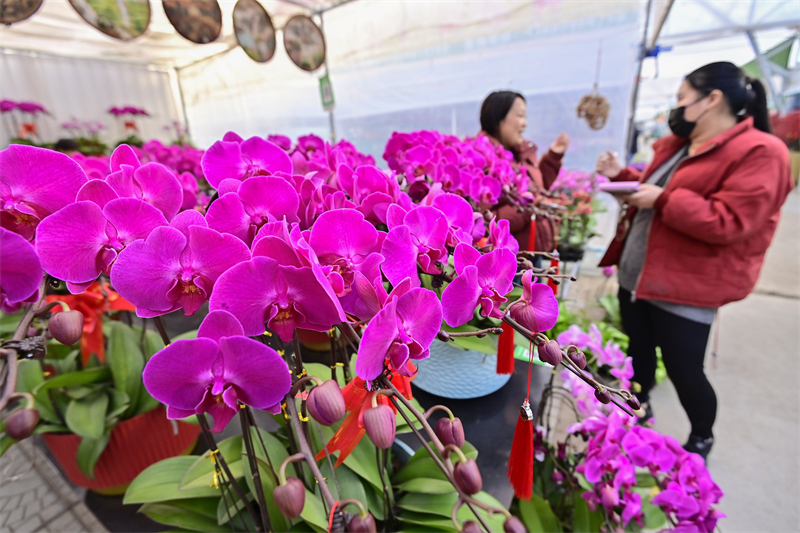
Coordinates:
(608, 164)
(561, 144)
(645, 197)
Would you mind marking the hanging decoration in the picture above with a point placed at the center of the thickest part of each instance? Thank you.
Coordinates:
(12, 11)
(304, 43)
(199, 21)
(254, 30)
(123, 20)
(593, 107)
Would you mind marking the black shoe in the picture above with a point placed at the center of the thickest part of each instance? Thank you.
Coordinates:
(644, 420)
(699, 445)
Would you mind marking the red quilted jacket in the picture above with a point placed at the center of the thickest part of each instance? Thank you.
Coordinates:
(715, 219)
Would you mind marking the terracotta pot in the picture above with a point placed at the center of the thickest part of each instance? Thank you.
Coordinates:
(318, 341)
(135, 444)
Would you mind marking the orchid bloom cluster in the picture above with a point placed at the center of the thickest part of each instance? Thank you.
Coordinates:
(277, 250)
(31, 108)
(79, 127)
(474, 168)
(577, 181)
(615, 451)
(128, 110)
(608, 354)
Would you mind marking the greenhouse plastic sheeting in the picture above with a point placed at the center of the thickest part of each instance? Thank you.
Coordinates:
(403, 66)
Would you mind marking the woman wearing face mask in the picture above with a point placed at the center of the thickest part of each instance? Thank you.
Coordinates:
(504, 117)
(695, 234)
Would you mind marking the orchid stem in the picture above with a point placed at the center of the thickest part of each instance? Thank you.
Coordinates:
(255, 472)
(212, 445)
(162, 330)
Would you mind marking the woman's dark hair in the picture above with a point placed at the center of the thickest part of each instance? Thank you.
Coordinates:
(495, 108)
(741, 92)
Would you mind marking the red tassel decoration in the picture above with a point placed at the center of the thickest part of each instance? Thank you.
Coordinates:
(550, 282)
(532, 236)
(520, 463)
(505, 351)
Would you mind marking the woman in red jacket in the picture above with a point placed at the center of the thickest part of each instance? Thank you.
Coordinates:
(695, 234)
(504, 117)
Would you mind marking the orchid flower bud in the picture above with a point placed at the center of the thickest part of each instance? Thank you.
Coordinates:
(468, 477)
(325, 403)
(634, 403)
(602, 395)
(450, 431)
(578, 357)
(21, 423)
(470, 526)
(67, 327)
(557, 477)
(609, 496)
(550, 352)
(514, 525)
(290, 498)
(380, 423)
(362, 524)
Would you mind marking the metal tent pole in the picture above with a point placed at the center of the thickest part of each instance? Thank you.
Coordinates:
(766, 71)
(635, 96)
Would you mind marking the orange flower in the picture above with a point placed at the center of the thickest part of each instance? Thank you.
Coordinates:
(92, 303)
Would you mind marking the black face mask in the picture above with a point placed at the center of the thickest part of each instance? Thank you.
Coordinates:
(678, 124)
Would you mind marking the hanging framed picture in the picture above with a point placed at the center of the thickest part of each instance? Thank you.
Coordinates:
(12, 11)
(304, 43)
(199, 21)
(254, 30)
(123, 19)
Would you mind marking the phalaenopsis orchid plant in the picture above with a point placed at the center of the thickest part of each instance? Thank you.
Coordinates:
(22, 119)
(315, 238)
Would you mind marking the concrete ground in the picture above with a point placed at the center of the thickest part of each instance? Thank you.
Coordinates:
(755, 375)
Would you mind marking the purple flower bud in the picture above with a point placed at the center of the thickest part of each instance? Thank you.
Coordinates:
(609, 497)
(380, 423)
(557, 477)
(467, 476)
(470, 526)
(21, 423)
(362, 525)
(579, 358)
(290, 498)
(32, 332)
(602, 395)
(550, 352)
(562, 451)
(67, 327)
(514, 525)
(326, 403)
(634, 403)
(450, 431)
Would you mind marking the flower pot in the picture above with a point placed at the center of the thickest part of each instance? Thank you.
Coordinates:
(452, 372)
(570, 252)
(319, 341)
(135, 444)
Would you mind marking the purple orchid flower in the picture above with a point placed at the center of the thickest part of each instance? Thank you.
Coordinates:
(646, 448)
(82, 240)
(537, 308)
(243, 159)
(403, 330)
(632, 509)
(7, 105)
(347, 243)
(190, 188)
(20, 270)
(419, 163)
(34, 183)
(152, 182)
(676, 500)
(500, 236)
(284, 142)
(259, 200)
(574, 335)
(458, 213)
(176, 266)
(485, 191)
(419, 240)
(284, 297)
(482, 279)
(217, 370)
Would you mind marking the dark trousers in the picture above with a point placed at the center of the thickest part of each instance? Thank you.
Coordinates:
(683, 348)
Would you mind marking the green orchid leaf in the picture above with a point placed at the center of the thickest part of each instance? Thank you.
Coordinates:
(126, 361)
(228, 509)
(427, 522)
(277, 454)
(468, 449)
(193, 517)
(584, 520)
(151, 343)
(423, 467)
(487, 344)
(29, 376)
(188, 335)
(89, 451)
(438, 504)
(537, 515)
(426, 486)
(202, 471)
(314, 513)
(86, 417)
(159, 482)
(119, 403)
(350, 484)
(6, 443)
(74, 379)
